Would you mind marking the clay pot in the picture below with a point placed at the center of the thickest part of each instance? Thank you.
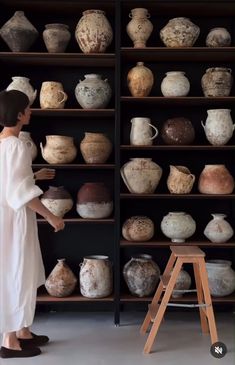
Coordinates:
(217, 81)
(218, 230)
(138, 228)
(61, 282)
(57, 200)
(52, 95)
(22, 84)
(141, 175)
(178, 131)
(93, 32)
(179, 32)
(180, 180)
(141, 132)
(95, 148)
(219, 126)
(178, 226)
(215, 179)
(96, 277)
(59, 149)
(139, 28)
(183, 282)
(175, 84)
(56, 37)
(26, 138)
(221, 277)
(141, 275)
(218, 37)
(93, 92)
(18, 33)
(140, 80)
(94, 201)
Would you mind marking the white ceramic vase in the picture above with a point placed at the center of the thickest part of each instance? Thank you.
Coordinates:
(175, 84)
(22, 84)
(219, 126)
(178, 226)
(218, 230)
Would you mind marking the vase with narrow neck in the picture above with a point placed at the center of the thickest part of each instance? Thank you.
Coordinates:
(140, 27)
(218, 230)
(140, 80)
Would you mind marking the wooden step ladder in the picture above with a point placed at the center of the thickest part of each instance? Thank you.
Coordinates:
(181, 255)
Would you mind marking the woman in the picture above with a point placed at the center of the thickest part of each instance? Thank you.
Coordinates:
(21, 266)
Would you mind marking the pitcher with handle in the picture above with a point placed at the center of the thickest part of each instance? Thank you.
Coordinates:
(52, 95)
(141, 132)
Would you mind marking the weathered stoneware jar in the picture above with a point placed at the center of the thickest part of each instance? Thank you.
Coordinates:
(141, 175)
(93, 32)
(96, 277)
(57, 200)
(219, 126)
(26, 137)
(52, 95)
(61, 282)
(138, 228)
(140, 80)
(175, 84)
(141, 132)
(94, 201)
(180, 180)
(217, 81)
(95, 148)
(59, 149)
(18, 33)
(139, 28)
(93, 92)
(179, 32)
(141, 275)
(178, 226)
(183, 282)
(178, 131)
(218, 230)
(56, 37)
(218, 37)
(221, 277)
(22, 83)
(215, 179)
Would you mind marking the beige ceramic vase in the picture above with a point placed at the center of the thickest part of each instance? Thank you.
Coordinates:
(61, 282)
(179, 32)
(217, 81)
(59, 149)
(140, 80)
(93, 32)
(139, 28)
(215, 179)
(52, 95)
(95, 148)
(180, 180)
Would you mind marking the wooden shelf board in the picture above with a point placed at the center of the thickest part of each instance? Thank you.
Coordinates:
(73, 112)
(177, 147)
(81, 220)
(184, 100)
(75, 166)
(46, 298)
(176, 196)
(157, 243)
(186, 298)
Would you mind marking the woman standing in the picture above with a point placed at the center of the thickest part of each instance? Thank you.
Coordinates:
(21, 266)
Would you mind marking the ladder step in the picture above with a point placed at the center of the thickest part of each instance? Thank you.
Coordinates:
(153, 308)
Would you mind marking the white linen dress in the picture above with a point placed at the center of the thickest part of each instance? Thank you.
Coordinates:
(21, 266)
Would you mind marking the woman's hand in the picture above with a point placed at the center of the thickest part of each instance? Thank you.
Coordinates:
(55, 222)
(44, 174)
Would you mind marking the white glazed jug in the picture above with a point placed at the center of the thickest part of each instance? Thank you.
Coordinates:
(22, 84)
(141, 132)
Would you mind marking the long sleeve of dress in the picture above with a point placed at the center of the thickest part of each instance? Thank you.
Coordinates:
(21, 186)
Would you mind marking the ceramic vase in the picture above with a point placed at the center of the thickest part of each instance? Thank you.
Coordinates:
(217, 81)
(140, 80)
(183, 282)
(52, 95)
(142, 132)
(218, 230)
(178, 226)
(56, 37)
(57, 200)
(95, 148)
(219, 126)
(59, 149)
(139, 28)
(178, 131)
(138, 228)
(218, 37)
(175, 84)
(221, 277)
(215, 179)
(179, 32)
(22, 84)
(26, 138)
(180, 180)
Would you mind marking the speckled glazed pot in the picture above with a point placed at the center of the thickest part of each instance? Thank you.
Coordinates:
(22, 84)
(141, 275)
(218, 37)
(95, 148)
(57, 200)
(215, 179)
(218, 230)
(56, 37)
(140, 80)
(178, 131)
(217, 81)
(59, 149)
(93, 32)
(96, 277)
(138, 228)
(221, 277)
(180, 180)
(139, 28)
(26, 138)
(178, 226)
(61, 282)
(175, 84)
(179, 32)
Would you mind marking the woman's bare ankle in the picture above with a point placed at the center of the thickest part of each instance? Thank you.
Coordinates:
(10, 341)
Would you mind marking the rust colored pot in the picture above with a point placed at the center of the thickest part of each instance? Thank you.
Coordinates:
(215, 179)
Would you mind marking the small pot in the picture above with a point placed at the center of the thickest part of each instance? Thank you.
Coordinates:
(57, 200)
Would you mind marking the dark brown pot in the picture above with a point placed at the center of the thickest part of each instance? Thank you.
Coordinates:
(178, 131)
(93, 192)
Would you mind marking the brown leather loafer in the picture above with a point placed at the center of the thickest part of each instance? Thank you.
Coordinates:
(37, 340)
(6, 353)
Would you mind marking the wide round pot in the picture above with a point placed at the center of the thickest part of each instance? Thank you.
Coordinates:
(221, 277)
(26, 138)
(140, 80)
(141, 175)
(96, 277)
(178, 226)
(139, 28)
(179, 32)
(22, 84)
(138, 228)
(175, 84)
(217, 81)
(141, 275)
(219, 126)
(59, 149)
(61, 282)
(95, 148)
(93, 32)
(94, 201)
(178, 131)
(215, 179)
(57, 200)
(218, 230)
(180, 180)
(183, 282)
(218, 37)
(56, 37)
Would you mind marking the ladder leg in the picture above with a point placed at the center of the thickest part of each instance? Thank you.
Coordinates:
(162, 308)
(204, 324)
(207, 296)
(157, 295)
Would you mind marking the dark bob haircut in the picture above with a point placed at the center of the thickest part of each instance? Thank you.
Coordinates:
(12, 103)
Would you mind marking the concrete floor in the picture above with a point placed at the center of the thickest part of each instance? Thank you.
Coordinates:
(92, 339)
